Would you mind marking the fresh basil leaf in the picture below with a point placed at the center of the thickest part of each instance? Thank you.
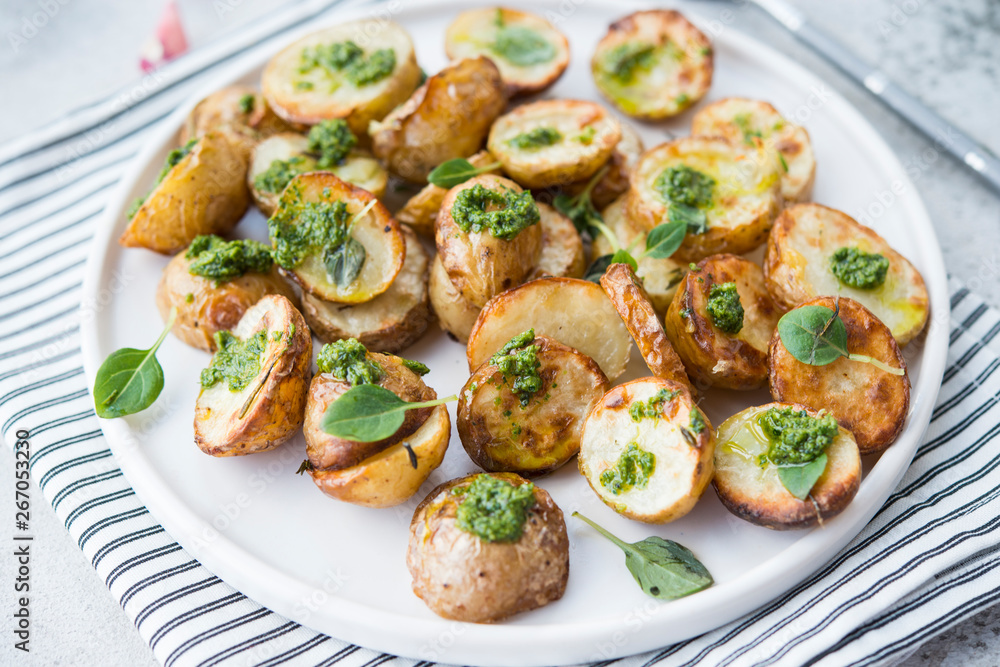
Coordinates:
(623, 256)
(580, 210)
(694, 219)
(664, 240)
(344, 263)
(814, 335)
(799, 480)
(597, 268)
(455, 172)
(368, 413)
(130, 380)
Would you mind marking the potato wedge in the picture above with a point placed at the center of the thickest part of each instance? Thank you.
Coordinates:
(390, 322)
(797, 268)
(749, 121)
(714, 357)
(268, 409)
(755, 493)
(501, 434)
(562, 248)
(866, 400)
(300, 91)
(312, 199)
(744, 198)
(650, 428)
(456, 314)
(574, 312)
(615, 182)
(554, 142)
(204, 193)
(529, 51)
(447, 117)
(237, 109)
(653, 64)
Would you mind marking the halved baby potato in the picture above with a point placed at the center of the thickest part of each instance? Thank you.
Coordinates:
(390, 322)
(447, 117)
(530, 53)
(303, 85)
(798, 267)
(562, 248)
(255, 414)
(456, 314)
(653, 64)
(742, 187)
(712, 355)
(574, 312)
(615, 181)
(503, 434)
(237, 109)
(750, 121)
(753, 491)
(647, 450)
(310, 196)
(554, 142)
(868, 401)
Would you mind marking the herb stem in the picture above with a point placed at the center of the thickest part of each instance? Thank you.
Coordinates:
(608, 234)
(150, 354)
(426, 404)
(876, 363)
(594, 180)
(360, 214)
(603, 532)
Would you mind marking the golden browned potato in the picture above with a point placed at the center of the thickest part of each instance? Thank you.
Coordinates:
(554, 142)
(328, 74)
(721, 321)
(750, 121)
(463, 576)
(530, 53)
(647, 451)
(653, 64)
(205, 307)
(480, 263)
(237, 109)
(317, 208)
(748, 482)
(447, 117)
(456, 314)
(253, 394)
(575, 312)
(614, 182)
(870, 402)
(562, 248)
(507, 426)
(202, 192)
(729, 193)
(390, 322)
(802, 256)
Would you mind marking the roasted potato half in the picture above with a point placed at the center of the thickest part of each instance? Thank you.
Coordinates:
(733, 192)
(505, 430)
(721, 321)
(204, 192)
(554, 142)
(242, 413)
(447, 117)
(647, 451)
(464, 577)
(866, 400)
(480, 264)
(749, 486)
(530, 53)
(653, 64)
(614, 183)
(363, 266)
(751, 121)
(574, 312)
(456, 314)
(562, 248)
(238, 109)
(329, 75)
(800, 260)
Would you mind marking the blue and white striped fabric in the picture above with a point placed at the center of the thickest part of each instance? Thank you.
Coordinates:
(929, 558)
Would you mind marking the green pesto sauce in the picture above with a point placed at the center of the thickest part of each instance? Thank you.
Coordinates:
(742, 122)
(349, 59)
(515, 211)
(246, 103)
(653, 407)
(213, 257)
(862, 270)
(522, 46)
(493, 509)
(626, 60)
(173, 159)
(686, 186)
(518, 362)
(696, 423)
(633, 470)
(307, 228)
(536, 138)
(587, 136)
(724, 308)
(331, 141)
(237, 361)
(349, 360)
(281, 172)
(796, 437)
(415, 366)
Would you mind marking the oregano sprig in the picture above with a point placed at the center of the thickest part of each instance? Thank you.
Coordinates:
(368, 413)
(457, 171)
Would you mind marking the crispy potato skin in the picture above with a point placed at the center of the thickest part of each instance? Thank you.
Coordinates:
(447, 117)
(759, 497)
(276, 412)
(221, 112)
(205, 193)
(562, 248)
(615, 182)
(461, 577)
(204, 308)
(548, 429)
(711, 356)
(480, 265)
(388, 478)
(867, 401)
(797, 267)
(456, 314)
(421, 210)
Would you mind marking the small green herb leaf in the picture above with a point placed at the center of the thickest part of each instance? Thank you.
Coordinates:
(623, 256)
(130, 380)
(344, 262)
(799, 480)
(597, 268)
(368, 413)
(664, 240)
(580, 209)
(814, 335)
(454, 172)
(693, 218)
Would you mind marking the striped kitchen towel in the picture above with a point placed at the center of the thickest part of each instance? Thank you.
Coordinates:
(928, 559)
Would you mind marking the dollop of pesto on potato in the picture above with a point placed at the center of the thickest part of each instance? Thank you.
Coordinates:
(632, 470)
(350, 361)
(213, 257)
(724, 308)
(537, 138)
(350, 60)
(329, 143)
(856, 268)
(237, 362)
(493, 509)
(796, 437)
(518, 361)
(502, 213)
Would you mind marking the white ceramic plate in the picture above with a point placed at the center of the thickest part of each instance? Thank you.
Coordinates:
(340, 569)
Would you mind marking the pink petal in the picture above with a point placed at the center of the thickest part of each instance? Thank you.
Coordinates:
(168, 42)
